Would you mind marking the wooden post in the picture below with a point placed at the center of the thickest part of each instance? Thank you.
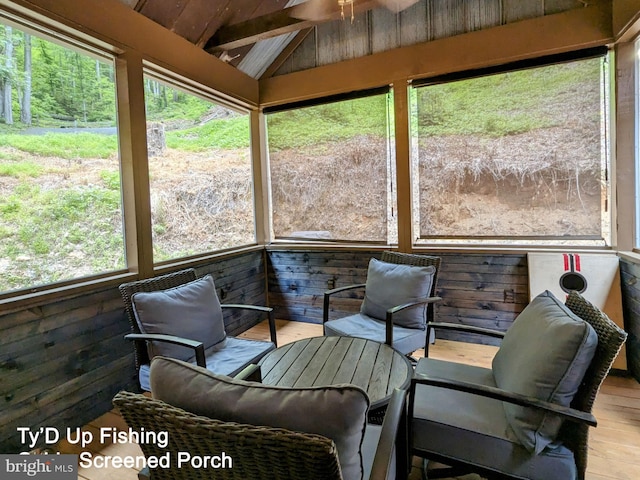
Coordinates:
(134, 163)
(623, 162)
(262, 204)
(403, 164)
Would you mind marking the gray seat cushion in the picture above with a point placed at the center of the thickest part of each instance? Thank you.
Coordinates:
(544, 354)
(475, 429)
(337, 412)
(405, 340)
(191, 311)
(390, 284)
(230, 360)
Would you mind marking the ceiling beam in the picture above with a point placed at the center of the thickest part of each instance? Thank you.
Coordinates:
(277, 23)
(557, 33)
(286, 53)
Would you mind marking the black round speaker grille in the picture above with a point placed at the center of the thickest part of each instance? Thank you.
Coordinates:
(573, 281)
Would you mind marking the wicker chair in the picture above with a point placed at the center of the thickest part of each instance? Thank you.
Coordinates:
(386, 328)
(256, 452)
(479, 447)
(176, 279)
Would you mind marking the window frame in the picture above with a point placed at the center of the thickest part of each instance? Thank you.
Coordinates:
(178, 82)
(390, 183)
(99, 50)
(519, 243)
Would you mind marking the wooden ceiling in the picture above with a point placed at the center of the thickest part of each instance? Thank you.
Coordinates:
(259, 36)
(228, 29)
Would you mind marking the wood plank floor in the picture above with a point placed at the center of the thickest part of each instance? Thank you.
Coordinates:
(614, 447)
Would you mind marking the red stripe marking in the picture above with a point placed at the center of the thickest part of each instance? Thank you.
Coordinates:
(566, 261)
(577, 259)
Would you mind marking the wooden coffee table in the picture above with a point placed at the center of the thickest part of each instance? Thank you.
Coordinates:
(320, 361)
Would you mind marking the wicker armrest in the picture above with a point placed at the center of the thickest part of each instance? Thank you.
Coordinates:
(259, 451)
(198, 347)
(327, 298)
(566, 413)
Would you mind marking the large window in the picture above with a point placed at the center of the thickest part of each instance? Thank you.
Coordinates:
(60, 199)
(199, 171)
(332, 172)
(517, 157)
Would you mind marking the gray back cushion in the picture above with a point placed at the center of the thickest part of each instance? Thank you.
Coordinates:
(190, 311)
(545, 355)
(336, 412)
(390, 285)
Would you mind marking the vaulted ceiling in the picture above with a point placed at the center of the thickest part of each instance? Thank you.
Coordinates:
(252, 35)
(229, 29)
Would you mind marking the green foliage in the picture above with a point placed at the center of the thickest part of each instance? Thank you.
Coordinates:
(222, 133)
(164, 103)
(504, 104)
(326, 123)
(39, 226)
(63, 145)
(111, 180)
(20, 169)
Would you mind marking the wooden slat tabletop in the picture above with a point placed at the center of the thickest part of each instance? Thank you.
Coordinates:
(321, 361)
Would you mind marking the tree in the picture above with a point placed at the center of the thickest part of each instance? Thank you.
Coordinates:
(25, 111)
(7, 109)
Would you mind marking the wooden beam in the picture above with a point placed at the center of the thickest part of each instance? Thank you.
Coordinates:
(134, 164)
(273, 24)
(403, 165)
(623, 161)
(260, 177)
(286, 52)
(625, 18)
(557, 33)
(114, 23)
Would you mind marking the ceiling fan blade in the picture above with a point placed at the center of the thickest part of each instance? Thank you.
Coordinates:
(314, 10)
(396, 5)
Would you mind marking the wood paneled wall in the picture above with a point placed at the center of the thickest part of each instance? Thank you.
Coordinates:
(379, 30)
(62, 362)
(477, 289)
(630, 282)
(239, 279)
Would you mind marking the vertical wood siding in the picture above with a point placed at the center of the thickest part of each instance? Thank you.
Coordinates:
(62, 362)
(380, 30)
(482, 290)
(630, 282)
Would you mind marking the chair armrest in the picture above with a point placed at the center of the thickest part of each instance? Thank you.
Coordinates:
(459, 328)
(258, 308)
(391, 427)
(392, 311)
(327, 298)
(566, 413)
(197, 346)
(250, 373)
(466, 328)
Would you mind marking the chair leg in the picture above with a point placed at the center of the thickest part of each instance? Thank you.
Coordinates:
(413, 360)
